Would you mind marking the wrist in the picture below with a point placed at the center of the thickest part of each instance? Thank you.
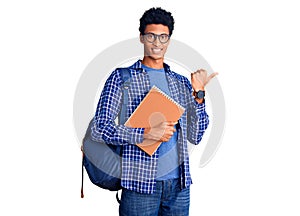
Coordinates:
(198, 88)
(199, 100)
(199, 94)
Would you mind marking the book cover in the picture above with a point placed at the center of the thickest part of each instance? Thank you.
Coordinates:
(155, 108)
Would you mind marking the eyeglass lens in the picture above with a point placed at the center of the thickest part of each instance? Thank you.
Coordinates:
(150, 37)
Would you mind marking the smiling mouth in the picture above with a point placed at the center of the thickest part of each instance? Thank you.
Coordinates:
(156, 50)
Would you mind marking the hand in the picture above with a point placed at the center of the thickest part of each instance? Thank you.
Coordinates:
(161, 132)
(199, 79)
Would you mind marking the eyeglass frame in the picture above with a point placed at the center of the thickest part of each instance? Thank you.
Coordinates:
(156, 36)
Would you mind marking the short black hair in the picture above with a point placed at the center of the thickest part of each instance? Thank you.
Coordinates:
(156, 16)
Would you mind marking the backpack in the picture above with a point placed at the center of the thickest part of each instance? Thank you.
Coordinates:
(102, 161)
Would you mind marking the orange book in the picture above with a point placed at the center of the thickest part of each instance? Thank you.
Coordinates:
(155, 108)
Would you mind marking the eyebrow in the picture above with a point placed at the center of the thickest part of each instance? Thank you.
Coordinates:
(156, 34)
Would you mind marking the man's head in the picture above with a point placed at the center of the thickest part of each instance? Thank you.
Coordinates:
(156, 16)
(156, 27)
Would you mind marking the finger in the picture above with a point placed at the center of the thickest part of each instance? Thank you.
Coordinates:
(170, 127)
(165, 138)
(168, 133)
(212, 76)
(203, 74)
(196, 72)
(193, 75)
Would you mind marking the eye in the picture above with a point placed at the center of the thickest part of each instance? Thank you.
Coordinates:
(150, 36)
(164, 37)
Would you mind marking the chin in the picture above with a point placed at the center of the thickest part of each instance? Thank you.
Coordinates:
(156, 57)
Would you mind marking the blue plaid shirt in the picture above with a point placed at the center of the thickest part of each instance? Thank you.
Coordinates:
(139, 169)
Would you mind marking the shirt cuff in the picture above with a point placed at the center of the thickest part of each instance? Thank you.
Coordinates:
(199, 107)
(136, 135)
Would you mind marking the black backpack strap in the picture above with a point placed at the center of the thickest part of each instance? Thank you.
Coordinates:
(82, 194)
(126, 78)
(125, 75)
(117, 197)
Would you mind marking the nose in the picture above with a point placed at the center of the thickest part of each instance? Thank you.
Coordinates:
(156, 41)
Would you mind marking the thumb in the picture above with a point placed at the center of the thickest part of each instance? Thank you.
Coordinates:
(212, 76)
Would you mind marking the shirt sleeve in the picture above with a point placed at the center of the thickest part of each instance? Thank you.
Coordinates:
(197, 118)
(104, 126)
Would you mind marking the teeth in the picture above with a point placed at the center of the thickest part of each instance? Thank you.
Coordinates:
(156, 50)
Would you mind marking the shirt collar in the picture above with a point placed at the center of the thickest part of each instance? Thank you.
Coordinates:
(138, 66)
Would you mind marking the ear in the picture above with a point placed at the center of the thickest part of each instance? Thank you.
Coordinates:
(142, 39)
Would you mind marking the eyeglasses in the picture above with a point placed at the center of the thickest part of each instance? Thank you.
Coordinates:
(151, 37)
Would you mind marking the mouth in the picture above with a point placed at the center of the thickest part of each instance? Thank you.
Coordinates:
(156, 50)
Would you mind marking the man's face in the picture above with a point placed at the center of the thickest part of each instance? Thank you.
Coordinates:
(155, 50)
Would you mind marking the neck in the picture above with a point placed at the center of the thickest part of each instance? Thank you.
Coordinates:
(153, 63)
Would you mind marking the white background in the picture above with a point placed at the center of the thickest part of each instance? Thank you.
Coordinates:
(254, 45)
